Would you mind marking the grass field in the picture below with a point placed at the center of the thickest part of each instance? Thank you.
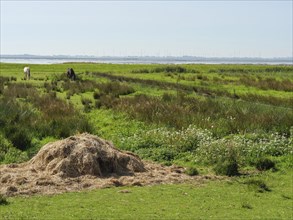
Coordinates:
(240, 198)
(230, 120)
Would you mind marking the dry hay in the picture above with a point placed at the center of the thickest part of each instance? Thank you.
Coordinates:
(83, 162)
(85, 155)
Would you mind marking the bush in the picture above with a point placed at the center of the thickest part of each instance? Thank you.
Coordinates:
(15, 156)
(86, 101)
(97, 95)
(191, 171)
(159, 154)
(163, 155)
(8, 153)
(265, 164)
(20, 137)
(5, 144)
(106, 100)
(228, 168)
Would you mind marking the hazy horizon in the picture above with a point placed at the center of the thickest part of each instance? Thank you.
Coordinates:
(162, 56)
(256, 29)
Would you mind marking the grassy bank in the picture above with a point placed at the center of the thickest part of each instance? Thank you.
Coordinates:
(264, 196)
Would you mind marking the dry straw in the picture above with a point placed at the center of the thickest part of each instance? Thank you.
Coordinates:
(84, 162)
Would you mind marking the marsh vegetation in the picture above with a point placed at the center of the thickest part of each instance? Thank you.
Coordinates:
(231, 120)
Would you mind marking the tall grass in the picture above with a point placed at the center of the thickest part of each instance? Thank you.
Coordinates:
(166, 69)
(202, 89)
(222, 117)
(115, 89)
(268, 83)
(25, 114)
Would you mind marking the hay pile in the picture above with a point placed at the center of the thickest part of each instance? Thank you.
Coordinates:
(83, 162)
(85, 155)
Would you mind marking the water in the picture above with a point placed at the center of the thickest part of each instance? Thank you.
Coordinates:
(148, 60)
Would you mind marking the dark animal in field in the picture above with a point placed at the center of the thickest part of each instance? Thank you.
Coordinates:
(27, 72)
(71, 74)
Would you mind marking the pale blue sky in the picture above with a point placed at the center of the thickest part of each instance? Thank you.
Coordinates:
(176, 28)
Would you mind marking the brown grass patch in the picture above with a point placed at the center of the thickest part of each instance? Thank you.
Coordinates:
(83, 162)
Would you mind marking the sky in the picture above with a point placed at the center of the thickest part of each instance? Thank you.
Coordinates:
(147, 28)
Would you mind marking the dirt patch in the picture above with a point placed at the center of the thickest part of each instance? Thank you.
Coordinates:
(84, 162)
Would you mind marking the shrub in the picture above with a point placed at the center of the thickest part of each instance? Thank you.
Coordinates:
(3, 200)
(97, 95)
(87, 104)
(5, 144)
(201, 77)
(70, 93)
(98, 104)
(14, 155)
(191, 171)
(265, 164)
(227, 167)
(86, 101)
(8, 153)
(18, 122)
(163, 154)
(106, 100)
(228, 163)
(20, 137)
(167, 97)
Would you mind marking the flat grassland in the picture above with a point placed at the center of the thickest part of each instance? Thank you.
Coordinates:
(229, 120)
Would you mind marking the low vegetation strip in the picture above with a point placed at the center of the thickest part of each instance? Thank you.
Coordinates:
(204, 90)
(221, 117)
(144, 81)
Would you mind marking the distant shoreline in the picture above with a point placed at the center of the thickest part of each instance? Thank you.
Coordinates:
(32, 59)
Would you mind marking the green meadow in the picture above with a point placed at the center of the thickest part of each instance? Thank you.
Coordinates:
(234, 121)
(240, 198)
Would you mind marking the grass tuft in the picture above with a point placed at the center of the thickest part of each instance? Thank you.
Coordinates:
(265, 164)
(3, 200)
(258, 185)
